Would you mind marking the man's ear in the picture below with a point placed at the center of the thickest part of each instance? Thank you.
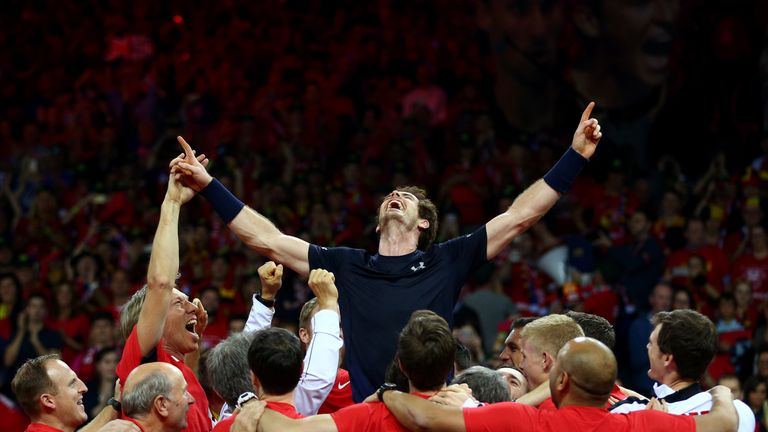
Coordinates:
(548, 361)
(304, 336)
(254, 380)
(563, 379)
(586, 22)
(423, 224)
(161, 405)
(47, 401)
(378, 229)
(669, 361)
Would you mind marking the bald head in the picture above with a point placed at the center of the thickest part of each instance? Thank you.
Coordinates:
(148, 369)
(157, 392)
(584, 373)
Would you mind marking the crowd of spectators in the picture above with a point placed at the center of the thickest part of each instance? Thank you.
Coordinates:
(310, 111)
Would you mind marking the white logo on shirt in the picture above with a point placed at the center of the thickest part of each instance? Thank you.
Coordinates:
(341, 386)
(420, 267)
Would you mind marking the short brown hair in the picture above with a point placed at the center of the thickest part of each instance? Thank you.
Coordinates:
(550, 333)
(690, 337)
(426, 349)
(305, 316)
(31, 381)
(595, 327)
(427, 210)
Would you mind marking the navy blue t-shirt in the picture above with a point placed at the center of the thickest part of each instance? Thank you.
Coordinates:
(377, 295)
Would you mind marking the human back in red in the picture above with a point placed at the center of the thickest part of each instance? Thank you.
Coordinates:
(285, 409)
(510, 416)
(367, 417)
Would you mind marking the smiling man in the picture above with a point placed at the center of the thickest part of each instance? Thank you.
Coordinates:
(156, 399)
(51, 394)
(161, 323)
(378, 292)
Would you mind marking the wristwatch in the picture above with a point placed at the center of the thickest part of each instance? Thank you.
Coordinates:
(244, 398)
(385, 388)
(114, 403)
(265, 302)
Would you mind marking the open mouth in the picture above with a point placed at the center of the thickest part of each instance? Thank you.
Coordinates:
(396, 205)
(191, 325)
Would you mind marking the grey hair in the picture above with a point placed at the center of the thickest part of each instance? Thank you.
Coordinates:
(141, 397)
(129, 316)
(488, 385)
(228, 368)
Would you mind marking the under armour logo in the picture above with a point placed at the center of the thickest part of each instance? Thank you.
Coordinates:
(420, 267)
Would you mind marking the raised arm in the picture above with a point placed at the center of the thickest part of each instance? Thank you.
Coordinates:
(535, 201)
(321, 362)
(419, 414)
(260, 316)
(255, 230)
(163, 267)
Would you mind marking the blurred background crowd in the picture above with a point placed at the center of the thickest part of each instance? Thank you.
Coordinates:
(312, 110)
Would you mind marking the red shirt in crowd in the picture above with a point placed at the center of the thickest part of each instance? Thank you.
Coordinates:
(368, 417)
(197, 416)
(755, 271)
(75, 327)
(340, 395)
(510, 416)
(283, 408)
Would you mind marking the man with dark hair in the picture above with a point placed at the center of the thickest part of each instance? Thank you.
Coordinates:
(374, 286)
(487, 385)
(511, 354)
(51, 395)
(319, 332)
(155, 398)
(425, 354)
(580, 382)
(680, 348)
(275, 358)
(595, 326)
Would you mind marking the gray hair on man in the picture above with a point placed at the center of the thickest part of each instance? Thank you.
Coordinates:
(131, 310)
(139, 400)
(228, 367)
(487, 385)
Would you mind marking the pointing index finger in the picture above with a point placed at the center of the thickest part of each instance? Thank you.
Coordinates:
(584, 116)
(187, 149)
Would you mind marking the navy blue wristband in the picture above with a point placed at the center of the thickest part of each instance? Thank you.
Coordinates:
(562, 175)
(226, 205)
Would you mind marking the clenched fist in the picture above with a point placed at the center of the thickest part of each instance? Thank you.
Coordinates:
(323, 285)
(271, 276)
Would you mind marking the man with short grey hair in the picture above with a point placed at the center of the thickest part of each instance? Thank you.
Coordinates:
(155, 398)
(487, 385)
(227, 365)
